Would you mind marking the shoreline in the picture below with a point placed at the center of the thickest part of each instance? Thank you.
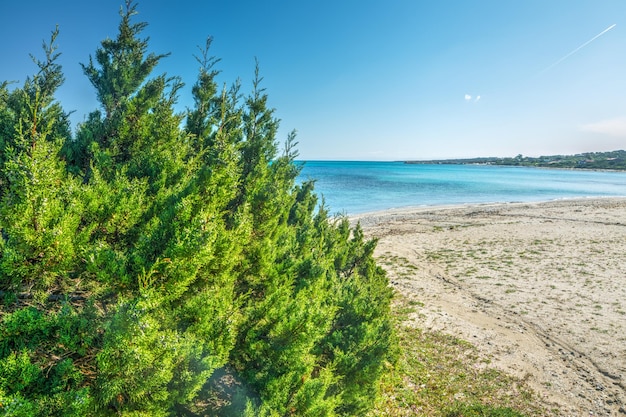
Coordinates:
(416, 209)
(538, 287)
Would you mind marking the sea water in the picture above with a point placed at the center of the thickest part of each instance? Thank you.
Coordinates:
(359, 187)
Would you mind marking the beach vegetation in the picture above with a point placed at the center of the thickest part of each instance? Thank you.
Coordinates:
(155, 263)
(436, 374)
(441, 375)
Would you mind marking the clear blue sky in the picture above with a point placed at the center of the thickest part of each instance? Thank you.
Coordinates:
(375, 80)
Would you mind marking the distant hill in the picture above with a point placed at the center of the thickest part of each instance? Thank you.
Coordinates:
(614, 160)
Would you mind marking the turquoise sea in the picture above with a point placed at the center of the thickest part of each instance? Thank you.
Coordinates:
(359, 187)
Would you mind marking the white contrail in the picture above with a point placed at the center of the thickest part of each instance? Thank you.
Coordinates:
(579, 48)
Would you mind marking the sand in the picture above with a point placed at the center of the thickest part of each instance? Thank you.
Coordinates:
(540, 288)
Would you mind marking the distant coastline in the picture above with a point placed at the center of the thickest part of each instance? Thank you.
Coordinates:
(613, 160)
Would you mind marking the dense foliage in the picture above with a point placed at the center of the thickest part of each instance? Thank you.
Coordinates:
(151, 251)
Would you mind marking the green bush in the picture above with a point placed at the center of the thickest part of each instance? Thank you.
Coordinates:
(151, 249)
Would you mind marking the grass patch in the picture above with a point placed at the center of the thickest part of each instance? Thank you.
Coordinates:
(440, 375)
(479, 410)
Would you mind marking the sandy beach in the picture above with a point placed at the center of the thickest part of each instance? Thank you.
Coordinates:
(540, 288)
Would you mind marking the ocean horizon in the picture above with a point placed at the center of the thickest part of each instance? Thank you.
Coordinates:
(356, 187)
